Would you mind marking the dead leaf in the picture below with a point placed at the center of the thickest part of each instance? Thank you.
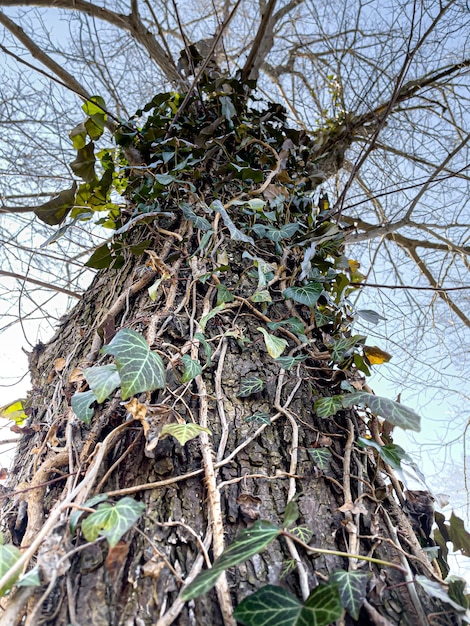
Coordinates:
(76, 376)
(115, 559)
(249, 506)
(375, 355)
(59, 364)
(354, 508)
(136, 409)
(153, 568)
(3, 473)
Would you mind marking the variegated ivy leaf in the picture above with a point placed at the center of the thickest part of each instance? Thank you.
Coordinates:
(321, 457)
(184, 432)
(324, 407)
(352, 588)
(207, 348)
(103, 380)
(223, 294)
(260, 417)
(139, 368)
(261, 296)
(9, 554)
(288, 362)
(394, 412)
(191, 368)
(248, 543)
(111, 521)
(249, 386)
(275, 606)
(274, 345)
(200, 222)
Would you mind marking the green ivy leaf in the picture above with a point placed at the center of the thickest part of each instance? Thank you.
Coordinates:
(291, 513)
(184, 432)
(205, 318)
(100, 258)
(78, 136)
(288, 362)
(235, 233)
(274, 345)
(391, 453)
(278, 234)
(94, 106)
(30, 579)
(191, 368)
(81, 404)
(341, 347)
(84, 163)
(259, 417)
(249, 386)
(275, 606)
(352, 588)
(223, 294)
(294, 323)
(77, 513)
(458, 535)
(103, 380)
(321, 457)
(9, 554)
(248, 543)
(139, 368)
(207, 348)
(436, 590)
(111, 521)
(394, 412)
(262, 295)
(200, 222)
(324, 407)
(305, 294)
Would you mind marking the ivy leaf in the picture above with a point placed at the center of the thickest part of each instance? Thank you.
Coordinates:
(249, 386)
(324, 407)
(165, 179)
(78, 136)
(84, 163)
(274, 345)
(260, 417)
(342, 347)
(352, 588)
(9, 554)
(370, 316)
(54, 211)
(288, 362)
(436, 590)
(139, 368)
(391, 453)
(294, 323)
(275, 606)
(191, 368)
(235, 233)
(77, 513)
(228, 109)
(184, 432)
(101, 258)
(111, 521)
(321, 457)
(81, 404)
(248, 543)
(291, 513)
(458, 535)
(223, 294)
(394, 412)
(305, 294)
(285, 232)
(30, 579)
(200, 222)
(14, 411)
(261, 296)
(207, 348)
(103, 380)
(215, 311)
(95, 106)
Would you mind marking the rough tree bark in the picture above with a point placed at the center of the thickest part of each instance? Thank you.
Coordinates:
(199, 496)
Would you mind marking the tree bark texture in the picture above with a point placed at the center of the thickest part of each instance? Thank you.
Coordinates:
(257, 467)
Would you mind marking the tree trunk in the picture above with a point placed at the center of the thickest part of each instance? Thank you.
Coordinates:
(200, 495)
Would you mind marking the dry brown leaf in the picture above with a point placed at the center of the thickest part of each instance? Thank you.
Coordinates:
(59, 364)
(76, 376)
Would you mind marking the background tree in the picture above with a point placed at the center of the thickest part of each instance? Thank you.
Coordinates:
(402, 117)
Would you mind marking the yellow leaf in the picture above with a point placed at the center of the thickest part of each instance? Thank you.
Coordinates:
(14, 411)
(376, 356)
(354, 265)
